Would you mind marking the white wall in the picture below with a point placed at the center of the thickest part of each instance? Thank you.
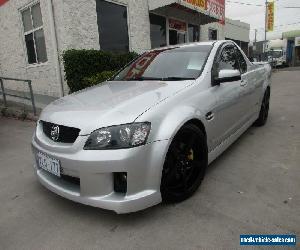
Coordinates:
(13, 54)
(217, 26)
(233, 29)
(237, 30)
(76, 24)
(80, 29)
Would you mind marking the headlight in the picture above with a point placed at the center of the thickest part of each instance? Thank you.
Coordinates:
(117, 137)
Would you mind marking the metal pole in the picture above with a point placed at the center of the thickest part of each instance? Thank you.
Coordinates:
(32, 97)
(3, 93)
(266, 20)
(53, 32)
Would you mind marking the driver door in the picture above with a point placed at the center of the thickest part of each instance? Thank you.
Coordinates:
(230, 110)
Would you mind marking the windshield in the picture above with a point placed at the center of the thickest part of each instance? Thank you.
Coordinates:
(275, 54)
(171, 64)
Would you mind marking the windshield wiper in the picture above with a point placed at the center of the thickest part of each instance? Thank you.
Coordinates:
(142, 78)
(171, 78)
(176, 78)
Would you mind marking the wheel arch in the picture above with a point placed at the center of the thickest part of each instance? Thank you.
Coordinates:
(192, 121)
(267, 89)
(190, 124)
(199, 124)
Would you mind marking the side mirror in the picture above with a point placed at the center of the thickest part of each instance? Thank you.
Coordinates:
(227, 75)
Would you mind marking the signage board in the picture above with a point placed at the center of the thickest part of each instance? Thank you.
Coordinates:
(270, 16)
(214, 8)
(177, 25)
(3, 2)
(197, 3)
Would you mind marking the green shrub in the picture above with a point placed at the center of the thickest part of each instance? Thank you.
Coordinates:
(83, 64)
(96, 79)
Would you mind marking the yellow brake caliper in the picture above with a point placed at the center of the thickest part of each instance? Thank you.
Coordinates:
(191, 155)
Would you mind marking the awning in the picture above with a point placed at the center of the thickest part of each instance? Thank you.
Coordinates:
(214, 10)
(291, 34)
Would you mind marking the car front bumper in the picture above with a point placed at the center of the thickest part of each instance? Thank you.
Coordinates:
(95, 169)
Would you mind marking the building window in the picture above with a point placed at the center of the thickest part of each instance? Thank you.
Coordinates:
(212, 34)
(243, 45)
(228, 59)
(112, 26)
(157, 31)
(194, 33)
(34, 34)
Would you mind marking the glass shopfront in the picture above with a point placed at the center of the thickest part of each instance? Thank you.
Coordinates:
(177, 32)
(194, 33)
(158, 31)
(169, 31)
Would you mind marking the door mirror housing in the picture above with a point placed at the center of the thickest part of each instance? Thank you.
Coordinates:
(227, 75)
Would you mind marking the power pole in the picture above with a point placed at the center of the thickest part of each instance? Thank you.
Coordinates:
(266, 26)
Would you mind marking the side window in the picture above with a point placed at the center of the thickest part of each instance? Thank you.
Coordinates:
(242, 62)
(34, 34)
(112, 26)
(227, 59)
(157, 31)
(212, 34)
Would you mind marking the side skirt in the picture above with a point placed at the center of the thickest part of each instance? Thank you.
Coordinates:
(215, 153)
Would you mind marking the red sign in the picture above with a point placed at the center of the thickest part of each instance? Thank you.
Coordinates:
(217, 8)
(177, 25)
(3, 2)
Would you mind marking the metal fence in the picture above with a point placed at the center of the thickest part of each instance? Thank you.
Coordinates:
(4, 94)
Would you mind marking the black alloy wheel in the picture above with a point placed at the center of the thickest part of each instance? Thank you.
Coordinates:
(264, 110)
(185, 164)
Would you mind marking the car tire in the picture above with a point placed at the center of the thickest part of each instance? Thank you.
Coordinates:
(185, 164)
(264, 110)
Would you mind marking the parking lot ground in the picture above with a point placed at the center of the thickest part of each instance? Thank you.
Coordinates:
(253, 188)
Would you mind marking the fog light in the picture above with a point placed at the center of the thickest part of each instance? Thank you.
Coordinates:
(120, 182)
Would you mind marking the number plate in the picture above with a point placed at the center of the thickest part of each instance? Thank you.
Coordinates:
(49, 164)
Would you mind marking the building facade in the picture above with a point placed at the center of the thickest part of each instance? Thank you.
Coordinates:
(234, 30)
(293, 47)
(35, 33)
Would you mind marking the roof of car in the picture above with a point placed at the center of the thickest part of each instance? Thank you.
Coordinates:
(186, 45)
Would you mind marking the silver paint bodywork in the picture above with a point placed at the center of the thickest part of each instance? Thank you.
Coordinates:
(233, 107)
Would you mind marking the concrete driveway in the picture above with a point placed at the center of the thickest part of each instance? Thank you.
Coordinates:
(252, 188)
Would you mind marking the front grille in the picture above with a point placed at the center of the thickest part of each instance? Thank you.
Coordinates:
(65, 134)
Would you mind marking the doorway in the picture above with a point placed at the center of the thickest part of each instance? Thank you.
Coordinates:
(176, 37)
(177, 32)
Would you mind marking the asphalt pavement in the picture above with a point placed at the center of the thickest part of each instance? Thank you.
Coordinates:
(253, 188)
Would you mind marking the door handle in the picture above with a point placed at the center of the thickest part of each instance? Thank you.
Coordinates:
(209, 116)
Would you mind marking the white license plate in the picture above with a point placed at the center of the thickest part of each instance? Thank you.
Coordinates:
(49, 164)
